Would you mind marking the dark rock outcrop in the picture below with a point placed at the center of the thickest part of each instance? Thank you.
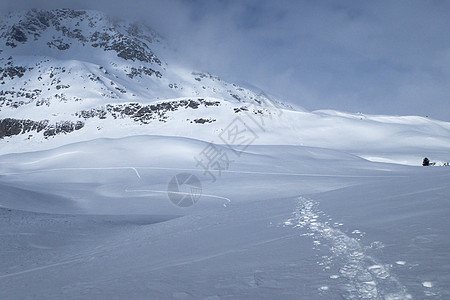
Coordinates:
(144, 113)
(11, 127)
(130, 46)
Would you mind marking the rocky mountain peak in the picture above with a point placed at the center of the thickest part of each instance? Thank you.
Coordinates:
(66, 28)
(67, 70)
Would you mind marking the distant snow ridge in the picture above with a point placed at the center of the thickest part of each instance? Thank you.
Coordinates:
(365, 277)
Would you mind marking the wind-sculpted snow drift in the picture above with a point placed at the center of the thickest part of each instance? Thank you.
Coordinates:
(383, 234)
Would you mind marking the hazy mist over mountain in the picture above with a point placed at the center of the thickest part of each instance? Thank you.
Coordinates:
(379, 57)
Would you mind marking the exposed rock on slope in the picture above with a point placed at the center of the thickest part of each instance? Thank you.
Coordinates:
(65, 65)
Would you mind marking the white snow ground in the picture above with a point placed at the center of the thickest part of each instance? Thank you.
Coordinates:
(92, 220)
(322, 205)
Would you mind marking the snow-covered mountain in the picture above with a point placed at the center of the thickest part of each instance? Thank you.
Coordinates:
(69, 76)
(62, 67)
(101, 128)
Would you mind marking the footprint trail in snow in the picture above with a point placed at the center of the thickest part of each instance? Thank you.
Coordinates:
(361, 275)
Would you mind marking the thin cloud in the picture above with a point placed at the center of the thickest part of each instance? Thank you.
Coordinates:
(390, 57)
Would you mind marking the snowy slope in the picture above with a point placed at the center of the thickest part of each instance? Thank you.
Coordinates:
(404, 140)
(281, 221)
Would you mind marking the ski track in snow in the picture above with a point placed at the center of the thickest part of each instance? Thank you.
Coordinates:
(42, 268)
(182, 193)
(135, 169)
(363, 276)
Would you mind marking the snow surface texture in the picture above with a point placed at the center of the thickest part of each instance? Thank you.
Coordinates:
(304, 205)
(79, 223)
